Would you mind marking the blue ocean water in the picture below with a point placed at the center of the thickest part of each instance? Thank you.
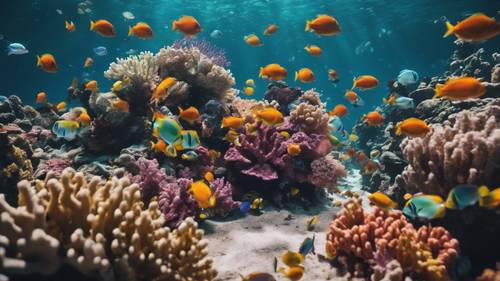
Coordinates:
(378, 37)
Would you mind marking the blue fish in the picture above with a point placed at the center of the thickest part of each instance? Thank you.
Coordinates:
(307, 246)
(66, 129)
(216, 34)
(462, 196)
(405, 103)
(189, 156)
(16, 49)
(244, 207)
(168, 129)
(101, 51)
(407, 77)
(337, 124)
(425, 207)
(189, 139)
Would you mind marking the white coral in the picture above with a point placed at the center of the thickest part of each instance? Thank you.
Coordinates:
(142, 68)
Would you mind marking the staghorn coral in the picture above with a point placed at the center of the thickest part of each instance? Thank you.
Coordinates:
(310, 118)
(140, 69)
(466, 153)
(427, 252)
(325, 172)
(176, 203)
(104, 230)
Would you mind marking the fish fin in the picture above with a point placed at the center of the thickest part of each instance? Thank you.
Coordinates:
(152, 145)
(180, 110)
(174, 25)
(308, 26)
(170, 151)
(212, 201)
(38, 61)
(440, 213)
(449, 29)
(450, 203)
(296, 76)
(130, 31)
(438, 91)
(92, 23)
(261, 72)
(353, 83)
(398, 129)
(66, 24)
(483, 190)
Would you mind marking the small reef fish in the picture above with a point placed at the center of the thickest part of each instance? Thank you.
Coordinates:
(47, 62)
(84, 118)
(66, 129)
(270, 116)
(460, 88)
(216, 34)
(381, 200)
(353, 138)
(370, 167)
(119, 85)
(412, 127)
(313, 50)
(293, 149)
(332, 75)
(304, 75)
(250, 83)
(270, 29)
(128, 15)
(202, 194)
(188, 25)
(16, 49)
(285, 134)
(293, 273)
(307, 246)
(323, 25)
(476, 28)
(159, 146)
(209, 176)
(253, 40)
(89, 62)
(248, 91)
(258, 276)
(374, 153)
(353, 98)
(400, 102)
(374, 118)
(292, 258)
(463, 196)
(141, 30)
(244, 207)
(339, 110)
(189, 140)
(312, 222)
(61, 106)
(407, 77)
(41, 98)
(294, 191)
(336, 124)
(365, 82)
(425, 207)
(100, 51)
(190, 156)
(121, 105)
(361, 156)
(92, 86)
(232, 122)
(191, 114)
(103, 28)
(491, 200)
(167, 128)
(162, 88)
(257, 204)
(273, 71)
(232, 136)
(70, 26)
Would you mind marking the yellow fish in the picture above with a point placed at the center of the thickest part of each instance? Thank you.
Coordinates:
(209, 176)
(202, 194)
(292, 258)
(61, 106)
(293, 273)
(270, 116)
(353, 137)
(232, 122)
(250, 83)
(382, 200)
(312, 222)
(162, 88)
(256, 204)
(248, 91)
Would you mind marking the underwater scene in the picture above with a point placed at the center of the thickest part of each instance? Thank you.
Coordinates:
(253, 140)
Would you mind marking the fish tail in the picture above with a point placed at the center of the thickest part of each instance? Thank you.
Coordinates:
(398, 129)
(261, 72)
(174, 25)
(296, 76)
(484, 195)
(441, 212)
(180, 110)
(38, 61)
(449, 29)
(130, 31)
(308, 26)
(66, 24)
(353, 83)
(152, 145)
(438, 91)
(92, 23)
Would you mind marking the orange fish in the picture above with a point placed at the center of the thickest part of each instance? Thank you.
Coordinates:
(460, 88)
(159, 146)
(351, 152)
(121, 105)
(361, 157)
(61, 106)
(209, 176)
(162, 88)
(232, 122)
(253, 40)
(477, 27)
(332, 75)
(323, 25)
(339, 110)
(84, 118)
(413, 127)
(370, 167)
(390, 101)
(374, 118)
(313, 50)
(103, 28)
(141, 30)
(41, 98)
(47, 62)
(89, 62)
(365, 82)
(304, 75)
(191, 114)
(272, 28)
(293, 149)
(92, 86)
(353, 98)
(270, 116)
(70, 26)
(187, 25)
(273, 71)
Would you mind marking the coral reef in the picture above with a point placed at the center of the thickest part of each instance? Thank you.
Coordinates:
(309, 114)
(176, 203)
(325, 171)
(141, 69)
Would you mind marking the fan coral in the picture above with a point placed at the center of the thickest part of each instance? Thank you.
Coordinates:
(467, 152)
(217, 55)
(139, 69)
(326, 171)
(176, 203)
(310, 118)
(427, 252)
(104, 230)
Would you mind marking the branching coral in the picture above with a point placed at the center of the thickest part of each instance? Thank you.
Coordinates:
(150, 178)
(467, 152)
(103, 229)
(176, 203)
(310, 118)
(223, 191)
(140, 69)
(427, 252)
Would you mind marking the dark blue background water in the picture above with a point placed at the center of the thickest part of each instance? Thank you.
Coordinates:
(415, 40)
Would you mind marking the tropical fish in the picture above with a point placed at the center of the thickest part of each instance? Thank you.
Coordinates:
(273, 71)
(189, 156)
(16, 49)
(293, 273)
(188, 25)
(292, 258)
(270, 29)
(374, 118)
(381, 200)
(70, 26)
(365, 82)
(162, 89)
(89, 62)
(189, 140)
(312, 222)
(248, 91)
(202, 194)
(460, 88)
(121, 105)
(339, 110)
(232, 122)
(285, 134)
(360, 156)
(257, 204)
(128, 15)
(353, 137)
(118, 86)
(270, 116)
(61, 106)
(353, 98)
(214, 154)
(336, 124)
(425, 207)
(216, 34)
(159, 146)
(313, 50)
(245, 207)
(92, 86)
(253, 40)
(47, 62)
(250, 83)
(100, 51)
(258, 276)
(477, 27)
(407, 77)
(84, 118)
(293, 149)
(294, 191)
(332, 75)
(167, 129)
(232, 136)
(41, 98)
(370, 167)
(323, 25)
(412, 127)
(307, 246)
(400, 102)
(374, 153)
(66, 129)
(491, 200)
(103, 28)
(304, 75)
(191, 114)
(141, 30)
(209, 176)
(462, 196)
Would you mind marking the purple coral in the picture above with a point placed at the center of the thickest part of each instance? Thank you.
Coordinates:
(176, 203)
(150, 178)
(54, 165)
(216, 54)
(326, 171)
(282, 94)
(223, 191)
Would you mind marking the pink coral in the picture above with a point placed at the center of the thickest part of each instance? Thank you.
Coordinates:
(150, 178)
(326, 171)
(55, 165)
(223, 191)
(176, 203)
